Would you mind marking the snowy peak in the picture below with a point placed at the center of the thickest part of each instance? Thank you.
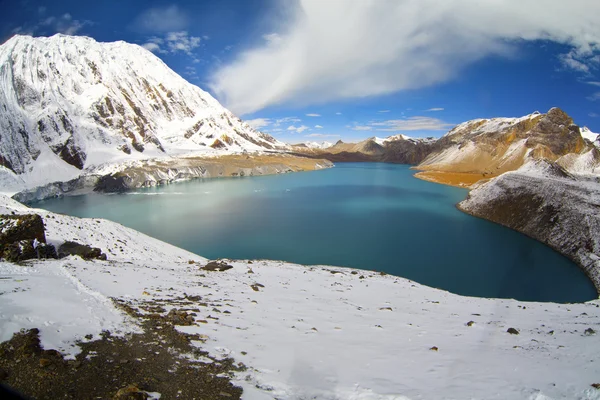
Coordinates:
(591, 136)
(317, 145)
(74, 102)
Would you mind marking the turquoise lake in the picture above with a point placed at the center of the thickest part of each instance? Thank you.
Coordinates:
(368, 216)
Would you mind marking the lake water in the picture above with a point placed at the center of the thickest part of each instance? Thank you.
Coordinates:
(368, 216)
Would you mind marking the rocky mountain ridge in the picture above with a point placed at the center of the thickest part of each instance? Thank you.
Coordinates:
(481, 149)
(68, 103)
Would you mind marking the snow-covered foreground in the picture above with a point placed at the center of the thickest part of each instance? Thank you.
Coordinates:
(310, 332)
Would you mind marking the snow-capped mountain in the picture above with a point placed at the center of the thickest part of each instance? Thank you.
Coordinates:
(591, 136)
(318, 145)
(497, 145)
(68, 103)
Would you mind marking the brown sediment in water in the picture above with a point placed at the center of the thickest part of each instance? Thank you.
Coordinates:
(457, 179)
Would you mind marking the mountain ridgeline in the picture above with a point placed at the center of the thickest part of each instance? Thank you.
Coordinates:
(481, 149)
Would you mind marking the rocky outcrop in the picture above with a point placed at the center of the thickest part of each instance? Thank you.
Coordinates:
(22, 237)
(547, 203)
(84, 251)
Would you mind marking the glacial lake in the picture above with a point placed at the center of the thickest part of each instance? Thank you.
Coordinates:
(362, 215)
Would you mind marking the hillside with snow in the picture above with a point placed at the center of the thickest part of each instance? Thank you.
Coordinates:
(70, 103)
(300, 331)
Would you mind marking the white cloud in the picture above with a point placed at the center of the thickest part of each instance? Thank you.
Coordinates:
(435, 109)
(318, 127)
(593, 115)
(383, 111)
(258, 123)
(593, 83)
(161, 19)
(272, 39)
(63, 24)
(322, 135)
(362, 128)
(412, 124)
(298, 129)
(313, 115)
(339, 49)
(174, 42)
(286, 120)
(181, 41)
(594, 97)
(151, 46)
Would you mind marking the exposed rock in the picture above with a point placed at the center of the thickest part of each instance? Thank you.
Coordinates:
(21, 227)
(130, 392)
(84, 251)
(512, 331)
(22, 238)
(217, 266)
(180, 317)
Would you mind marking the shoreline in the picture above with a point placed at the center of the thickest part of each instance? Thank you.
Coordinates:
(445, 178)
(152, 172)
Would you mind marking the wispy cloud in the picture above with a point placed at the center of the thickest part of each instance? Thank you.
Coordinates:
(313, 115)
(416, 123)
(593, 115)
(320, 135)
(593, 83)
(297, 129)
(173, 42)
(334, 50)
(286, 120)
(594, 97)
(383, 111)
(338, 113)
(258, 123)
(161, 19)
(318, 127)
(435, 109)
(64, 23)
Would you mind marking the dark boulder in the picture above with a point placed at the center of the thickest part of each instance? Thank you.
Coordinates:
(84, 251)
(21, 227)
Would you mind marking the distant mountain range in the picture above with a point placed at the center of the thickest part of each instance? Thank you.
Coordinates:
(481, 148)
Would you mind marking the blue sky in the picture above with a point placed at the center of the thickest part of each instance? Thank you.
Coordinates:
(314, 70)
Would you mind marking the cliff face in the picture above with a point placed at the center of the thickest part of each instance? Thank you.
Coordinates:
(545, 202)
